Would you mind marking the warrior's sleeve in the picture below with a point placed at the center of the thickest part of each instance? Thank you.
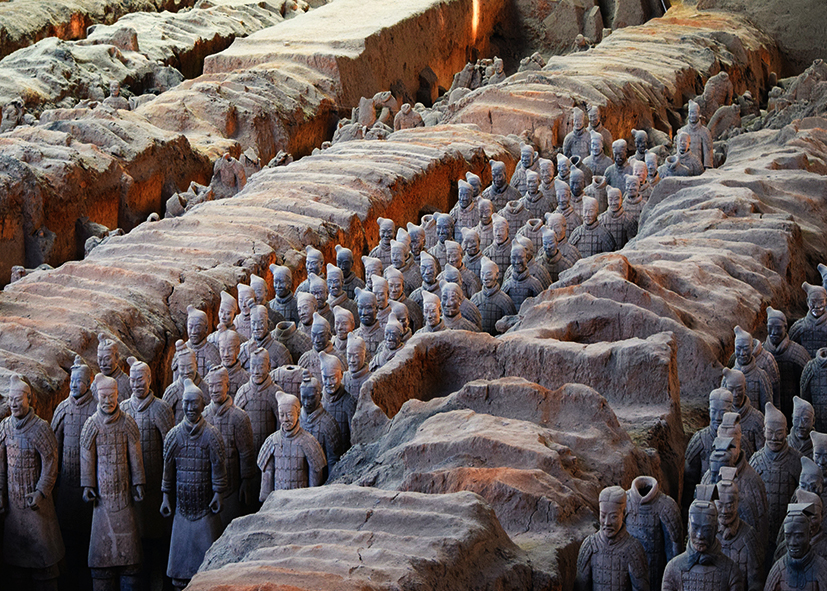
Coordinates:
(89, 454)
(315, 460)
(638, 567)
(670, 518)
(170, 450)
(133, 444)
(265, 464)
(583, 582)
(245, 445)
(46, 445)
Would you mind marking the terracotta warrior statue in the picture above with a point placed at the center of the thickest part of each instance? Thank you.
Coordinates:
(686, 156)
(379, 287)
(403, 261)
(401, 312)
(344, 260)
(811, 331)
(577, 184)
(576, 142)
(759, 387)
(444, 231)
(564, 206)
(696, 459)
(246, 302)
(258, 398)
(528, 162)
(337, 297)
(320, 337)
(702, 566)
(372, 266)
(74, 515)
(194, 481)
(369, 327)
(654, 520)
(641, 139)
(187, 370)
(500, 191)
(534, 201)
(814, 510)
(306, 306)
(485, 229)
(391, 345)
(284, 302)
(291, 457)
(616, 220)
(591, 237)
(803, 423)
(227, 311)
(470, 282)
(466, 308)
(229, 349)
(521, 285)
(617, 172)
(318, 289)
(236, 432)
(451, 300)
(736, 537)
(382, 251)
(597, 161)
(751, 419)
(466, 214)
(313, 263)
(432, 312)
(800, 567)
(32, 544)
(296, 341)
(632, 199)
(112, 477)
(418, 241)
(154, 419)
(357, 366)
(700, 137)
(109, 362)
(429, 269)
(551, 257)
(814, 387)
(344, 325)
(396, 293)
(476, 183)
(779, 466)
(596, 125)
(611, 559)
(492, 302)
(499, 250)
(790, 357)
(316, 421)
(653, 177)
(206, 354)
(557, 222)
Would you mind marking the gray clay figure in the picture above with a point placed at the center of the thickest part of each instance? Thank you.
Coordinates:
(194, 481)
(206, 354)
(320, 338)
(187, 370)
(372, 266)
(306, 306)
(369, 327)
(288, 378)
(533, 231)
(813, 387)
(313, 264)
(432, 312)
(558, 223)
(516, 215)
(403, 316)
(466, 213)
(391, 345)
(290, 458)
(521, 285)
(500, 192)
(803, 423)
(790, 357)
(336, 295)
(32, 544)
(258, 398)
(402, 260)
(318, 289)
(736, 537)
(564, 205)
(296, 341)
(444, 231)
(236, 432)
(686, 156)
(800, 567)
(316, 421)
(621, 225)
(335, 399)
(492, 302)
(551, 257)
(597, 161)
(470, 282)
(811, 331)
(641, 140)
(598, 190)
(467, 309)
(284, 302)
(379, 287)
(451, 300)
(227, 311)
(814, 510)
(620, 168)
(696, 458)
(654, 520)
(759, 386)
(653, 175)
(752, 419)
(382, 251)
(702, 567)
(820, 458)
(358, 371)
(701, 138)
(344, 260)
(396, 293)
(528, 162)
(228, 178)
(109, 363)
(596, 125)
(343, 325)
(534, 201)
(591, 237)
(576, 142)
(246, 302)
(611, 559)
(485, 229)
(229, 349)
(499, 250)
(632, 200)
(112, 477)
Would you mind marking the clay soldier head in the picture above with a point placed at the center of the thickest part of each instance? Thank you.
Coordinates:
(402, 314)
(108, 358)
(652, 164)
(813, 509)
(386, 230)
(185, 358)
(332, 372)
(557, 223)
(246, 298)
(563, 168)
(526, 156)
(417, 235)
(820, 452)
(612, 503)
(451, 275)
(399, 254)
(720, 402)
(343, 322)
(641, 140)
(318, 289)
(320, 332)
(344, 259)
(476, 183)
(218, 384)
(563, 192)
(335, 281)
(577, 181)
(803, 418)
(289, 409)
(703, 525)
(427, 267)
(306, 307)
(490, 272)
(500, 228)
(816, 299)
(743, 346)
(632, 186)
(619, 152)
(403, 237)
(639, 170)
(723, 455)
(737, 384)
(453, 253)
(546, 167)
(776, 326)
(259, 322)
(693, 112)
(311, 393)
(811, 478)
(19, 397)
(356, 353)
(394, 331)
(432, 311)
(486, 208)
(797, 528)
(595, 144)
(396, 283)
(684, 141)
(590, 210)
(227, 310)
(444, 227)
(282, 280)
(731, 427)
(775, 428)
(519, 260)
(229, 347)
(107, 390)
(465, 194)
(470, 242)
(594, 116)
(140, 378)
(549, 242)
(80, 379)
(314, 261)
(727, 502)
(451, 299)
(615, 199)
(381, 290)
(259, 365)
(367, 306)
(532, 182)
(372, 266)
(259, 288)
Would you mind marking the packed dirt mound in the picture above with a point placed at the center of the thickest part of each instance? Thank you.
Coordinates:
(352, 538)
